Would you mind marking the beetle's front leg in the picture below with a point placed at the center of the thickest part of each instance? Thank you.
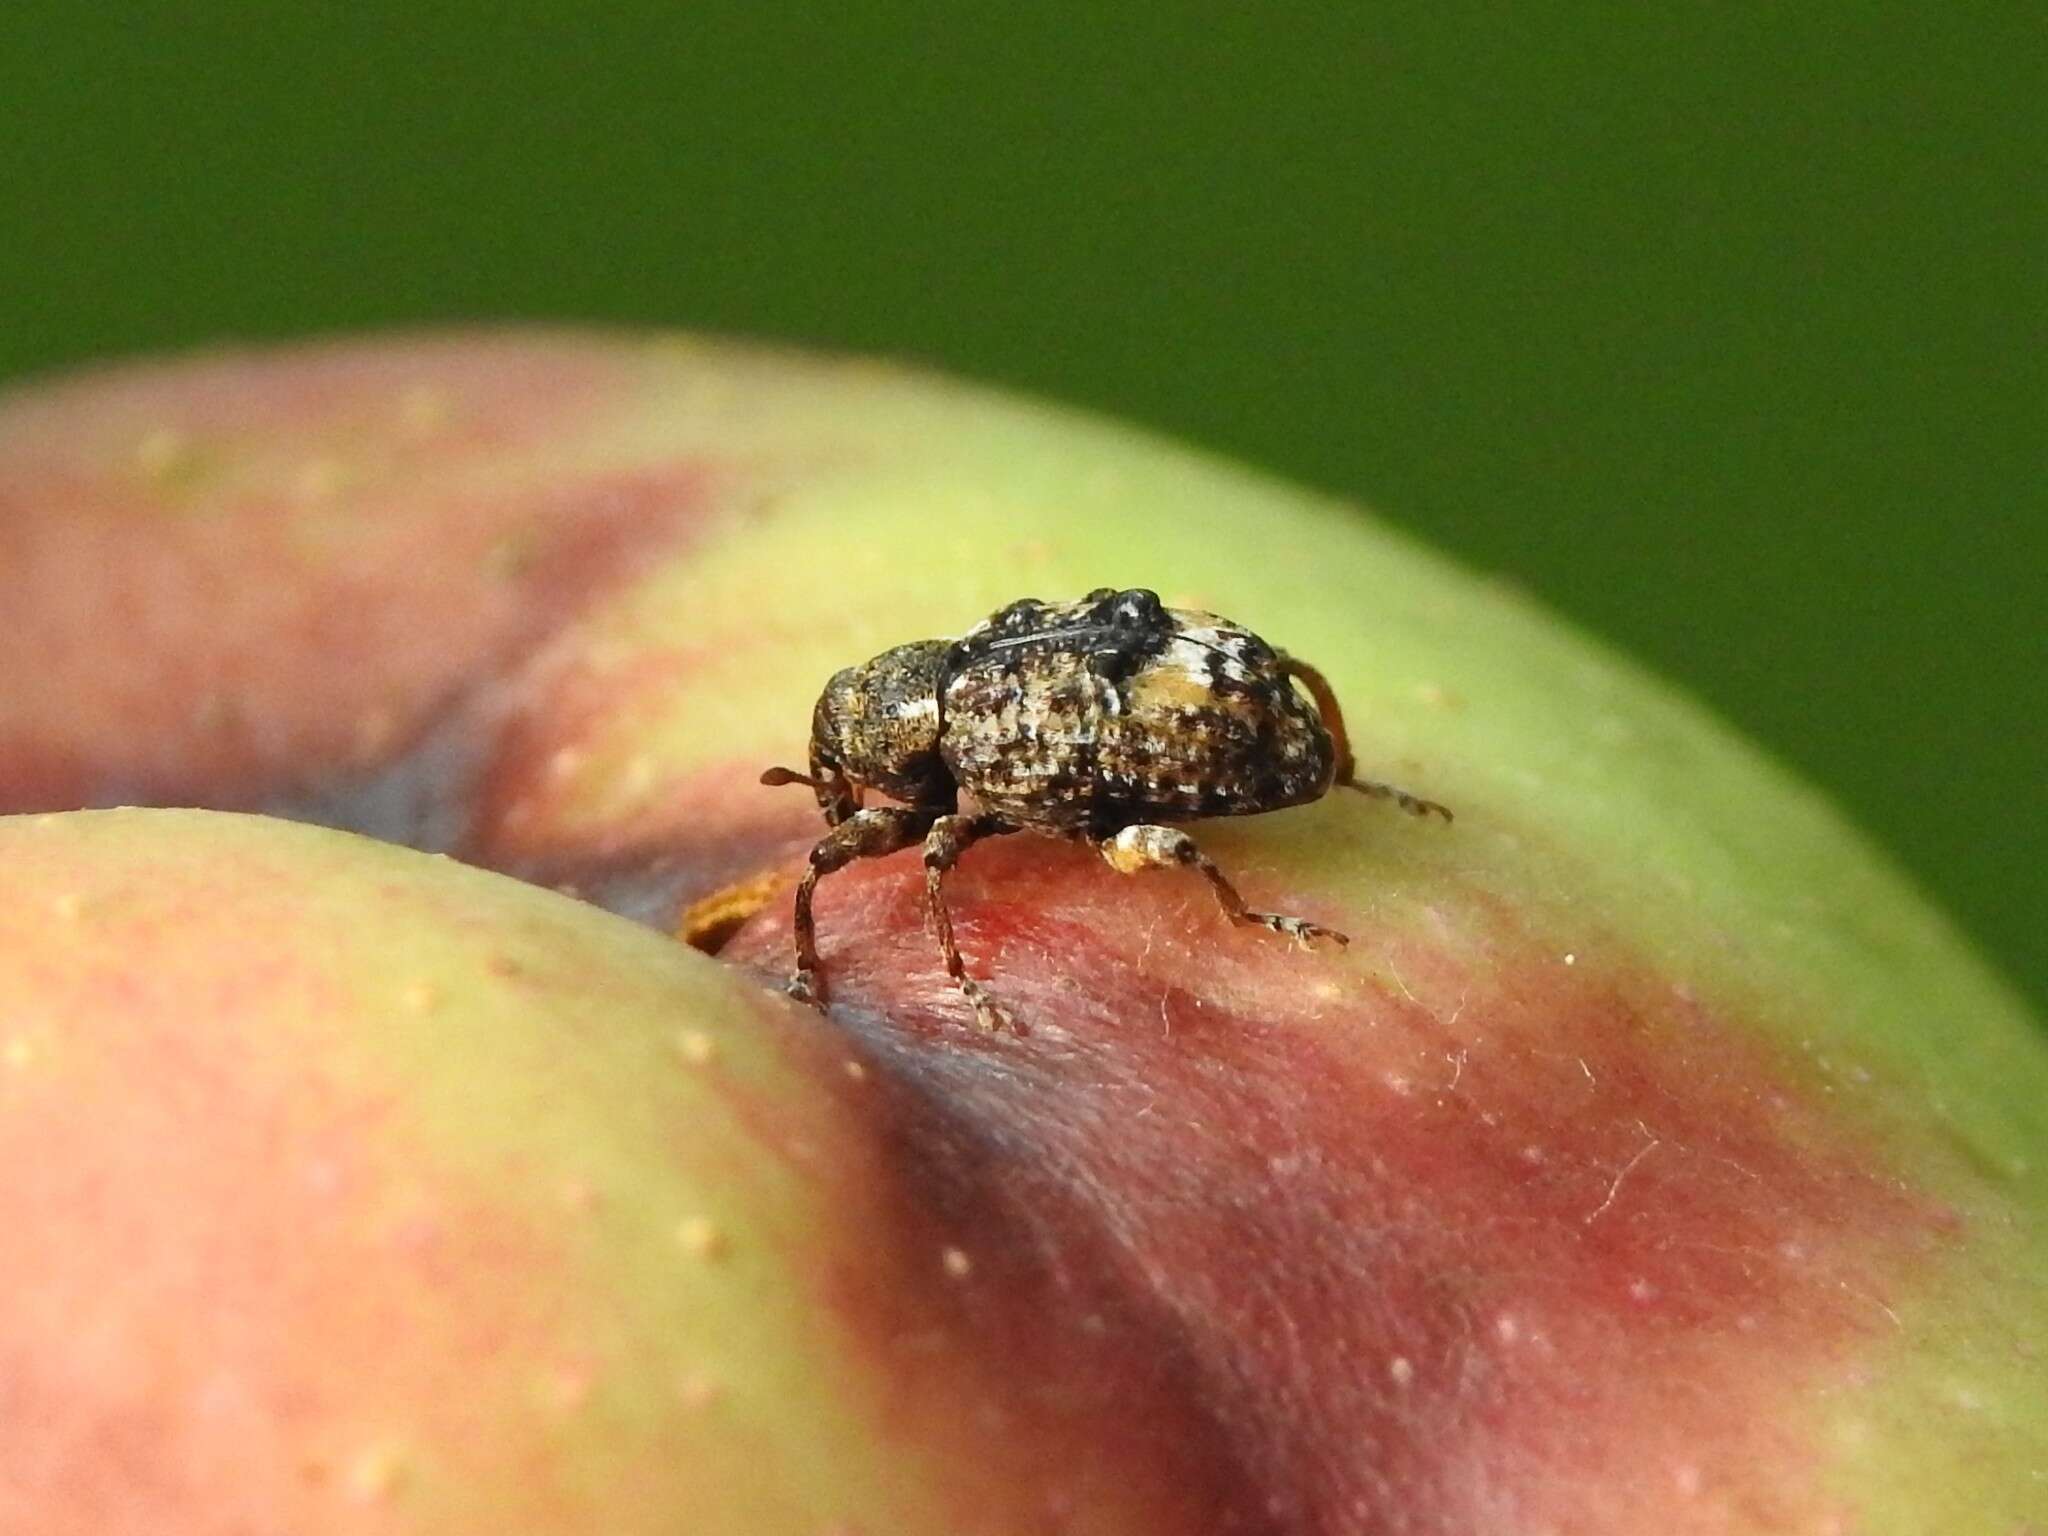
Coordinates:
(1152, 847)
(950, 837)
(865, 834)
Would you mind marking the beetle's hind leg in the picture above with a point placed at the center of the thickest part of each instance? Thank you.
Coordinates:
(1340, 742)
(950, 837)
(863, 835)
(1154, 847)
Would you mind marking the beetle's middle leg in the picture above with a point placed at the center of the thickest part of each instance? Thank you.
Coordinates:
(1340, 742)
(950, 837)
(863, 835)
(1154, 847)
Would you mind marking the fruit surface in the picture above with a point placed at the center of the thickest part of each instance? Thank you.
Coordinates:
(1652, 1160)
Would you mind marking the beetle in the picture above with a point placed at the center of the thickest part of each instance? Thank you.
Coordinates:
(1110, 719)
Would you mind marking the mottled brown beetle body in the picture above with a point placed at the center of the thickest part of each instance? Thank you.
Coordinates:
(1110, 719)
(1093, 716)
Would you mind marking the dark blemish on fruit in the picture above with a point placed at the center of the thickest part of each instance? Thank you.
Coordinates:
(1468, 1226)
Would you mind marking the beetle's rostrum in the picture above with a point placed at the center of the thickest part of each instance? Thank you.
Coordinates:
(1109, 720)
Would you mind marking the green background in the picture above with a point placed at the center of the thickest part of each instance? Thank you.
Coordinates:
(1719, 326)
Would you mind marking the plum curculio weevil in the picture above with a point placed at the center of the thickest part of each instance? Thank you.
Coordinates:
(1108, 720)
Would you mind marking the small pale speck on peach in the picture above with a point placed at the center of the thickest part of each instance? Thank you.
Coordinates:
(700, 1237)
(375, 1474)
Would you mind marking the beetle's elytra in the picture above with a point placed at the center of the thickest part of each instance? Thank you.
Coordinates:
(1110, 720)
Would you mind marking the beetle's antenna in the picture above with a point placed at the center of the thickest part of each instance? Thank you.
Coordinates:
(779, 776)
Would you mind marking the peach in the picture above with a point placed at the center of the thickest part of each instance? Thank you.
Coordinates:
(1653, 1160)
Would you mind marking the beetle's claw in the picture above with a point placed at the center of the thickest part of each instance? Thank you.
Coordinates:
(1300, 929)
(805, 987)
(1415, 805)
(991, 1015)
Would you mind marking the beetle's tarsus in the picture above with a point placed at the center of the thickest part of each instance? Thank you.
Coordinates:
(807, 987)
(991, 1015)
(1414, 805)
(1303, 932)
